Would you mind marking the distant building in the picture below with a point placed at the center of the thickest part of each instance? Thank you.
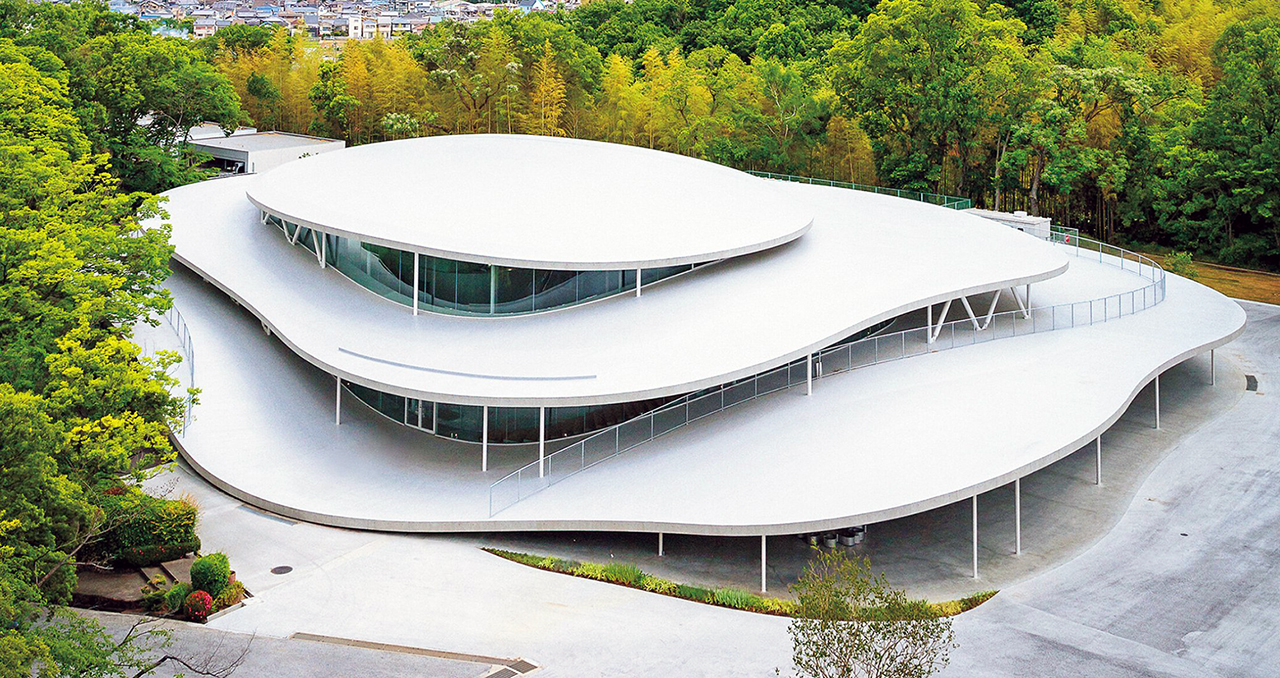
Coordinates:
(259, 152)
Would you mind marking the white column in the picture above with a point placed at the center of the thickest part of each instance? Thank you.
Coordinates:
(975, 536)
(1097, 475)
(1157, 402)
(763, 562)
(1028, 311)
(416, 272)
(638, 282)
(542, 441)
(337, 406)
(1017, 516)
(928, 335)
(659, 544)
(484, 440)
(808, 374)
(1213, 372)
(323, 240)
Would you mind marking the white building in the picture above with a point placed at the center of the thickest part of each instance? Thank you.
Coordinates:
(653, 343)
(257, 152)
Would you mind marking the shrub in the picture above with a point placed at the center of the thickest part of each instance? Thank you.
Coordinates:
(1180, 263)
(211, 573)
(145, 530)
(623, 573)
(174, 597)
(590, 571)
(154, 592)
(694, 593)
(736, 598)
(197, 606)
(231, 594)
(657, 585)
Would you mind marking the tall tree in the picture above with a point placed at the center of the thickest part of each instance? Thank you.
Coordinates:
(546, 97)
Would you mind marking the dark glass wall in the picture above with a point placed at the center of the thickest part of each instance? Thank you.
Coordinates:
(507, 425)
(462, 287)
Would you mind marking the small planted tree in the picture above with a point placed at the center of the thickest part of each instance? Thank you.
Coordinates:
(852, 624)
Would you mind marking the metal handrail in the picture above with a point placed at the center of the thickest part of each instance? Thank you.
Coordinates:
(948, 201)
(615, 440)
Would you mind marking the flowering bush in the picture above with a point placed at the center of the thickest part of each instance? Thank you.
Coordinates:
(197, 606)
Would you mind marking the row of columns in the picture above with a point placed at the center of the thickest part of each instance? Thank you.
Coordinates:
(1097, 473)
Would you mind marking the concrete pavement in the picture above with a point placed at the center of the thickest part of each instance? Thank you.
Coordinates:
(1186, 583)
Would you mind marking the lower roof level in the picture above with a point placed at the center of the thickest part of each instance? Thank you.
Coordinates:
(869, 445)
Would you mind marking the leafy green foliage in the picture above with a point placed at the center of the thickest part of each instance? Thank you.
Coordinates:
(211, 573)
(852, 623)
(177, 595)
(145, 530)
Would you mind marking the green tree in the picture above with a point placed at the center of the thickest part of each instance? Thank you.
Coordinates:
(1224, 195)
(851, 624)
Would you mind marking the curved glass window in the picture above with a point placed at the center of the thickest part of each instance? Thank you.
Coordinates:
(507, 425)
(463, 287)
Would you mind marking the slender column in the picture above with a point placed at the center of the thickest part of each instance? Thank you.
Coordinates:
(638, 282)
(659, 544)
(975, 536)
(542, 441)
(337, 405)
(1157, 402)
(928, 335)
(484, 440)
(1213, 372)
(493, 289)
(763, 564)
(416, 272)
(809, 374)
(1097, 474)
(323, 245)
(1017, 516)
(1028, 311)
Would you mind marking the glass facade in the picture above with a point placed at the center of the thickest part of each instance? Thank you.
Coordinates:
(463, 287)
(507, 425)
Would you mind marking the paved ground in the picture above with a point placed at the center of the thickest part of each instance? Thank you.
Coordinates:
(1186, 584)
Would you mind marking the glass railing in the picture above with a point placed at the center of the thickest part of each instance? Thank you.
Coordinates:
(187, 349)
(611, 442)
(948, 201)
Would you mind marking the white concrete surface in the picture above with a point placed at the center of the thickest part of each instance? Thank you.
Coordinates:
(868, 258)
(265, 151)
(535, 202)
(870, 445)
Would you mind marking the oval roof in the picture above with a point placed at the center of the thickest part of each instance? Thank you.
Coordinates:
(534, 202)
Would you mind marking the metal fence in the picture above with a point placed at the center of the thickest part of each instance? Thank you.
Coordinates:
(608, 443)
(948, 201)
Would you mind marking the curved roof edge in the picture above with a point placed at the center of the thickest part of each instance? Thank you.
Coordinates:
(628, 396)
(627, 264)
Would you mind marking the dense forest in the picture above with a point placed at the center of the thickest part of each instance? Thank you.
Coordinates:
(1148, 121)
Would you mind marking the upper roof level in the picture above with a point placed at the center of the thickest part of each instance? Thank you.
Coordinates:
(534, 202)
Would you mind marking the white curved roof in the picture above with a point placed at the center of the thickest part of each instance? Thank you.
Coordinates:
(868, 258)
(534, 202)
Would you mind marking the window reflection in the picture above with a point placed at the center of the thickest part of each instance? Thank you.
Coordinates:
(463, 287)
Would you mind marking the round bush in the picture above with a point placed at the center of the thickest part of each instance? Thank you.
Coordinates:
(174, 598)
(197, 606)
(210, 573)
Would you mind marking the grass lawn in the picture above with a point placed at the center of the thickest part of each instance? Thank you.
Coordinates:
(1237, 282)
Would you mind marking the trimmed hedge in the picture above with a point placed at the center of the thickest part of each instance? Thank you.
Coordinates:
(145, 530)
(211, 573)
